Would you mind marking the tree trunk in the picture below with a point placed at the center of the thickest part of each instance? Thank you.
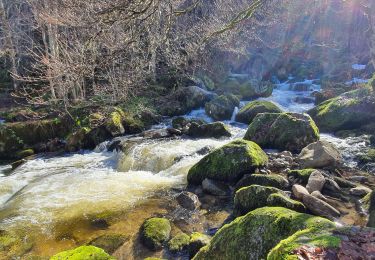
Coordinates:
(9, 45)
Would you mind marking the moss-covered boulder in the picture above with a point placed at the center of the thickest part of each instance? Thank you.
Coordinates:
(247, 89)
(197, 241)
(252, 197)
(179, 243)
(280, 200)
(285, 131)
(222, 107)
(255, 234)
(248, 112)
(371, 209)
(83, 253)
(350, 110)
(300, 176)
(272, 180)
(109, 242)
(155, 232)
(228, 163)
(215, 130)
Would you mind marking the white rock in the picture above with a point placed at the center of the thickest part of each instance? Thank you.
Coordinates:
(320, 154)
(299, 191)
(316, 181)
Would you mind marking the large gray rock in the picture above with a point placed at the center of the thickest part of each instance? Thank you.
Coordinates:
(320, 207)
(320, 154)
(316, 181)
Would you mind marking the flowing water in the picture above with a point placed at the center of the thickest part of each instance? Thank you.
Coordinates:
(46, 197)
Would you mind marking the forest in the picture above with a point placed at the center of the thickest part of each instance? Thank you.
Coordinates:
(187, 129)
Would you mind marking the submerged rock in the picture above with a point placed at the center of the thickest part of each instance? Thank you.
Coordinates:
(215, 130)
(221, 108)
(320, 154)
(320, 207)
(273, 180)
(155, 232)
(215, 188)
(228, 163)
(188, 200)
(83, 252)
(285, 131)
(249, 198)
(197, 241)
(350, 110)
(179, 243)
(110, 242)
(255, 234)
(248, 112)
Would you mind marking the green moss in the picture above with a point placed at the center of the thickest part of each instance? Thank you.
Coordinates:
(248, 112)
(350, 110)
(114, 123)
(255, 234)
(179, 242)
(302, 175)
(24, 153)
(311, 237)
(368, 157)
(228, 163)
(252, 197)
(284, 131)
(197, 241)
(83, 253)
(155, 232)
(279, 200)
(273, 180)
(109, 242)
(13, 246)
